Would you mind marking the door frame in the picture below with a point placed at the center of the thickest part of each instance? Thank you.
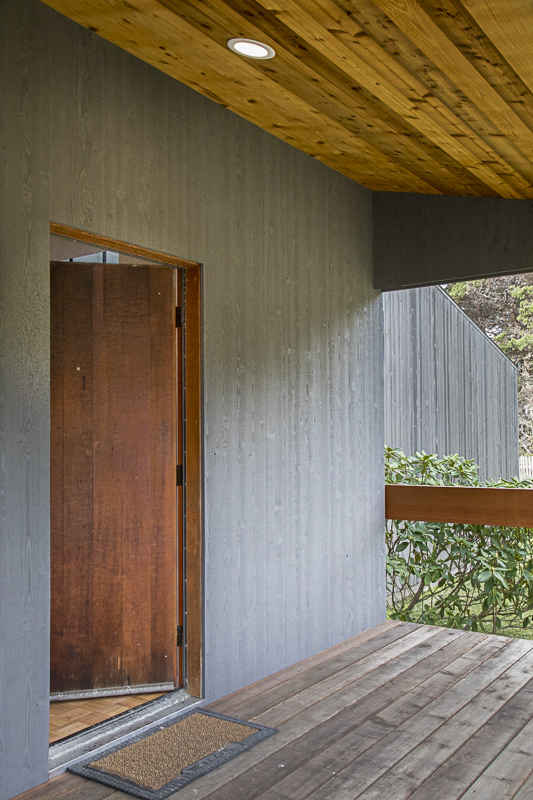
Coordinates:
(192, 436)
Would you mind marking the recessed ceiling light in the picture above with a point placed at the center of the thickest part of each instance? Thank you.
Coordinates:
(250, 48)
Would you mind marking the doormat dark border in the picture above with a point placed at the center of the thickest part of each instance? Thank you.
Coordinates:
(188, 774)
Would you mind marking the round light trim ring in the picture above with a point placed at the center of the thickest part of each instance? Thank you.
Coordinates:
(251, 48)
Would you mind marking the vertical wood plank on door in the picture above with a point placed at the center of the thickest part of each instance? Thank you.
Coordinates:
(106, 540)
(71, 474)
(115, 559)
(131, 381)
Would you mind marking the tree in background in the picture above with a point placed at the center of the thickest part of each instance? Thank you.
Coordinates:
(503, 309)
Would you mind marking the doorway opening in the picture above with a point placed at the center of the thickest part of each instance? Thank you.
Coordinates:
(126, 545)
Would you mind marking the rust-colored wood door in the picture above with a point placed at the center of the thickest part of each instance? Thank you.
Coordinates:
(113, 476)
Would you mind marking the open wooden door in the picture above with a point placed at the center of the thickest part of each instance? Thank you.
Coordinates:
(113, 490)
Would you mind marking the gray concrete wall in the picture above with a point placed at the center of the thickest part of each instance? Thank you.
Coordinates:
(448, 388)
(293, 382)
(423, 239)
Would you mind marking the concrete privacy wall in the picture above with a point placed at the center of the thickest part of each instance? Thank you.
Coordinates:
(293, 353)
(448, 388)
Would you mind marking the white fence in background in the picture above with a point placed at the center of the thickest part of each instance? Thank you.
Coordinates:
(526, 467)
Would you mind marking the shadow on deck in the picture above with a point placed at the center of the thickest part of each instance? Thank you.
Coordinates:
(399, 711)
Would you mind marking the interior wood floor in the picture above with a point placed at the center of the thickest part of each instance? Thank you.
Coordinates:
(72, 716)
(400, 711)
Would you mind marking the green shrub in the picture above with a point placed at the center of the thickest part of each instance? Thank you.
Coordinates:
(474, 577)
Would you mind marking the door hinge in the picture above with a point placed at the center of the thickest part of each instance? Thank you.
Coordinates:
(179, 317)
(180, 635)
(179, 475)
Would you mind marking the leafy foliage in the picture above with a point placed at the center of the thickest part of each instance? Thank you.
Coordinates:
(474, 577)
(503, 308)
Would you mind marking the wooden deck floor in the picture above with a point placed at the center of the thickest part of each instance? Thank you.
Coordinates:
(400, 711)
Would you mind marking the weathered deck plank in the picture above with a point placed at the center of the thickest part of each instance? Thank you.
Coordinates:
(70, 787)
(59, 788)
(316, 771)
(388, 658)
(309, 717)
(402, 711)
(299, 752)
(507, 773)
(400, 782)
(467, 765)
(393, 767)
(526, 790)
(423, 694)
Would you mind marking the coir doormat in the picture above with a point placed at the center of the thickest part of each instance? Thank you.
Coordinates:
(154, 765)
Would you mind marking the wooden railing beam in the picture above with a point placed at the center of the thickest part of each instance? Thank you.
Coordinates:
(473, 505)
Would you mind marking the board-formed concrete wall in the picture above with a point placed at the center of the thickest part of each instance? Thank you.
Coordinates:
(424, 240)
(293, 354)
(448, 388)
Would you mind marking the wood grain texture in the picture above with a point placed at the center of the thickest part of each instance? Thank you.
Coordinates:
(324, 84)
(372, 747)
(415, 21)
(71, 477)
(451, 720)
(525, 790)
(292, 352)
(114, 528)
(448, 388)
(180, 457)
(285, 111)
(166, 584)
(63, 785)
(71, 716)
(509, 26)
(127, 248)
(354, 658)
(193, 449)
(494, 741)
(435, 713)
(75, 790)
(421, 97)
(479, 506)
(333, 756)
(189, 359)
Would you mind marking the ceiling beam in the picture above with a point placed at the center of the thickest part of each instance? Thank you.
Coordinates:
(422, 240)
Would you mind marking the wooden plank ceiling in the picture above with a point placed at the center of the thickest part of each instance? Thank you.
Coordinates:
(433, 97)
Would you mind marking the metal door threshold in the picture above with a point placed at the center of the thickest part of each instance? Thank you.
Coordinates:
(118, 729)
(112, 691)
